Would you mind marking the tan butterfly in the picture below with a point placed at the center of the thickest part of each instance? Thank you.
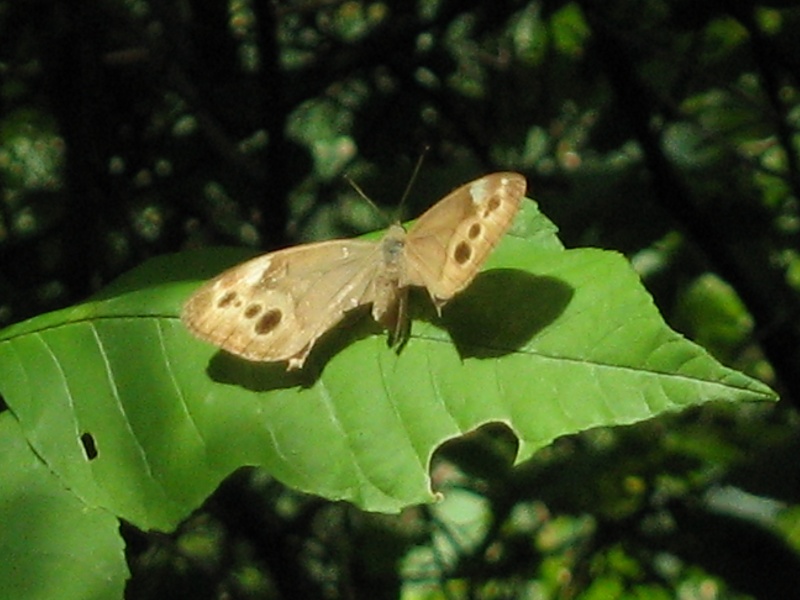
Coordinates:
(276, 306)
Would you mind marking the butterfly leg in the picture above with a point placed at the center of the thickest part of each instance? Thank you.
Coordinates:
(401, 331)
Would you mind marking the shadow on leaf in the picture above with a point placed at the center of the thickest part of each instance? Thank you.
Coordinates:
(265, 376)
(496, 315)
(502, 310)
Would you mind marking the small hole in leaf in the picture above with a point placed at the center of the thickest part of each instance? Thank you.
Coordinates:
(89, 447)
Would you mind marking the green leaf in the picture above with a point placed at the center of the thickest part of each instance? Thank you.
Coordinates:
(547, 341)
(53, 544)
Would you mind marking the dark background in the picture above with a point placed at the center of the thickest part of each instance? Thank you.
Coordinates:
(665, 130)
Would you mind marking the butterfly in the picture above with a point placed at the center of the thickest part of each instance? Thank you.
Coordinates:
(276, 306)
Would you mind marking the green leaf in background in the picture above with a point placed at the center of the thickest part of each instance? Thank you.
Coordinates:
(135, 416)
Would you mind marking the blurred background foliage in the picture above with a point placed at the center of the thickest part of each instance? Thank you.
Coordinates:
(665, 130)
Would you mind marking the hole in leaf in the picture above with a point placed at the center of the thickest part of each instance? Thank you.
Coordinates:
(89, 447)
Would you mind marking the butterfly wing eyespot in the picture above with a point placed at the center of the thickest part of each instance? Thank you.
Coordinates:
(450, 242)
(276, 306)
(462, 253)
(268, 322)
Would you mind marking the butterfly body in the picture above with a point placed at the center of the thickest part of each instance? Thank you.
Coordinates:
(276, 306)
(390, 287)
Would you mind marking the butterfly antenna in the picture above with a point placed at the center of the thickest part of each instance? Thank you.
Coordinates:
(406, 192)
(413, 178)
(361, 193)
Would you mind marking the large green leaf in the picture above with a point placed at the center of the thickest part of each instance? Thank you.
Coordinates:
(53, 545)
(547, 340)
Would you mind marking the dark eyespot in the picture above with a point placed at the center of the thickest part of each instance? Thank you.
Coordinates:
(491, 206)
(268, 321)
(251, 311)
(462, 253)
(474, 231)
(227, 299)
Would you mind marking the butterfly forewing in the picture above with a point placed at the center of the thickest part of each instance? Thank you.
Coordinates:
(274, 307)
(448, 244)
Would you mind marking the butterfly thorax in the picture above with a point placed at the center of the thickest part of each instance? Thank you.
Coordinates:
(390, 277)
